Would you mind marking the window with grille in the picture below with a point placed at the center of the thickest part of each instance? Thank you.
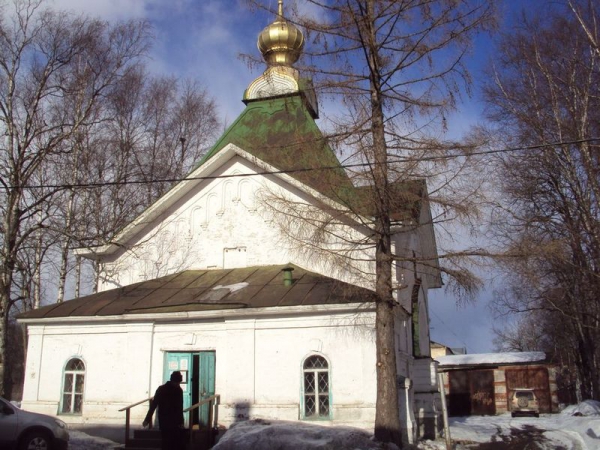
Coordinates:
(72, 395)
(316, 388)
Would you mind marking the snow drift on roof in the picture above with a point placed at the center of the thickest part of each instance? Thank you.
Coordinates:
(491, 358)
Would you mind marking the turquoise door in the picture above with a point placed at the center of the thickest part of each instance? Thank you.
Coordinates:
(183, 363)
(206, 383)
(198, 372)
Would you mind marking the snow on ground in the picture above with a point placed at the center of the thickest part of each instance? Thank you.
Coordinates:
(266, 434)
(576, 428)
(549, 432)
(81, 441)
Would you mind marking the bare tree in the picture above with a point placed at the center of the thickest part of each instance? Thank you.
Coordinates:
(158, 129)
(153, 130)
(397, 67)
(545, 94)
(169, 125)
(54, 70)
(587, 17)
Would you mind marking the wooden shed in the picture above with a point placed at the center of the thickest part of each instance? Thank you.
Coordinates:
(481, 384)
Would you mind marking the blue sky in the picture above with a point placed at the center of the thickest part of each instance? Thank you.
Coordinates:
(198, 39)
(202, 40)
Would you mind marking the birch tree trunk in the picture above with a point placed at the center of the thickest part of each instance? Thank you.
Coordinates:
(54, 70)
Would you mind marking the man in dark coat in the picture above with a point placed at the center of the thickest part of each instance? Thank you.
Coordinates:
(169, 400)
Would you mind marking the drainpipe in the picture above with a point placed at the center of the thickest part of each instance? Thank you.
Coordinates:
(288, 280)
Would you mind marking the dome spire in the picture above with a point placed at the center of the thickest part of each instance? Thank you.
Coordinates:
(281, 42)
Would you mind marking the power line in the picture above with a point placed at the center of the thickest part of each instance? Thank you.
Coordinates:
(460, 339)
(300, 170)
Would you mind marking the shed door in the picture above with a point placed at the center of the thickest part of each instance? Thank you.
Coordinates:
(533, 378)
(482, 393)
(471, 393)
(459, 403)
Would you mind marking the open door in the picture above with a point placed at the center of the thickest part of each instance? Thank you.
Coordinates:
(198, 372)
(206, 383)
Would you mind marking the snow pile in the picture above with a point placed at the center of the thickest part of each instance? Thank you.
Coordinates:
(549, 431)
(588, 408)
(81, 441)
(254, 434)
(232, 287)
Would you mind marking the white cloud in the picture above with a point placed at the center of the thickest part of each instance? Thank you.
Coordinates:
(106, 9)
(201, 40)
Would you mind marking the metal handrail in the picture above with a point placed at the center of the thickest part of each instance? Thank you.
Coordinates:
(127, 410)
(135, 404)
(203, 402)
(213, 415)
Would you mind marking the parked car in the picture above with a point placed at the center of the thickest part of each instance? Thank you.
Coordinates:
(524, 402)
(24, 430)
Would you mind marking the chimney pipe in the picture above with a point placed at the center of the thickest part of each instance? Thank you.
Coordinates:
(287, 276)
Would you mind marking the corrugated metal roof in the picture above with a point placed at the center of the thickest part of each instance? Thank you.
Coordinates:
(209, 290)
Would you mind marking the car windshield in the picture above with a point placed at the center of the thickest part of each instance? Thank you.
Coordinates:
(527, 395)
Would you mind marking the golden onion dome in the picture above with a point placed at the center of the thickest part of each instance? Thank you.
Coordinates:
(281, 42)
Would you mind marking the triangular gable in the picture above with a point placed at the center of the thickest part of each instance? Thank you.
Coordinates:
(280, 136)
(192, 181)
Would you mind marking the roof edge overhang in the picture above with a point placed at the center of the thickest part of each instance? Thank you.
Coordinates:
(213, 315)
(490, 360)
(453, 368)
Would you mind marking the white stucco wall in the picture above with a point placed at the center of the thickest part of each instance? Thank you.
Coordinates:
(258, 363)
(115, 357)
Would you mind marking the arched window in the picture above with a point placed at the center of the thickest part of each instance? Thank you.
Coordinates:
(316, 388)
(72, 395)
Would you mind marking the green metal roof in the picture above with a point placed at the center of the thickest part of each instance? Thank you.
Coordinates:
(282, 132)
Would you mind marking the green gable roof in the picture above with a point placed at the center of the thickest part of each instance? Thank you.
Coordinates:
(282, 132)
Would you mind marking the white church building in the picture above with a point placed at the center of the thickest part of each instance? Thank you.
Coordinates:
(254, 277)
